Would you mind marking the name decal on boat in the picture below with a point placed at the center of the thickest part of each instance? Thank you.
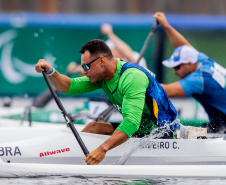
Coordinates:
(9, 151)
(164, 145)
(54, 152)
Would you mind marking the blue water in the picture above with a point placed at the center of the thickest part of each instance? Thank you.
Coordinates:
(62, 180)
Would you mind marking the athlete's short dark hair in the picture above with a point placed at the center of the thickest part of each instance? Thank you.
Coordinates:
(96, 48)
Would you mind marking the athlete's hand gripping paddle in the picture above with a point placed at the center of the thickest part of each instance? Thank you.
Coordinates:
(46, 96)
(66, 117)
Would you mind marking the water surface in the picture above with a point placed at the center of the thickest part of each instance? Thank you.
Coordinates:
(63, 180)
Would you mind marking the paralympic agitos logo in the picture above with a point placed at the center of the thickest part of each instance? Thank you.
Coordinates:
(13, 69)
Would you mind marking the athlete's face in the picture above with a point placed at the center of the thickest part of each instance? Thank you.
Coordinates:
(182, 70)
(96, 69)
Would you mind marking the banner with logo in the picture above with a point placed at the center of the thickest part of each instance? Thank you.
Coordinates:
(21, 48)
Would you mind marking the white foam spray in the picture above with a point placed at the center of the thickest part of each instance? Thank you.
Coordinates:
(145, 142)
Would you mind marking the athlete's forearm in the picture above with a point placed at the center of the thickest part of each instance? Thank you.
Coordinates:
(173, 90)
(97, 155)
(175, 37)
(122, 47)
(60, 82)
(117, 138)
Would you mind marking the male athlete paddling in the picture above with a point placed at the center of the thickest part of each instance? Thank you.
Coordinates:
(132, 89)
(201, 77)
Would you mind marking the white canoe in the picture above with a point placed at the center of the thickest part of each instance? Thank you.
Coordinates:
(60, 147)
(138, 171)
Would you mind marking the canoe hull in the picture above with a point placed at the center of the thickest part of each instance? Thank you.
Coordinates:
(61, 147)
(34, 170)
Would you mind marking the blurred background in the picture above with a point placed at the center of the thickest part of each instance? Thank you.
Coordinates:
(56, 29)
(207, 7)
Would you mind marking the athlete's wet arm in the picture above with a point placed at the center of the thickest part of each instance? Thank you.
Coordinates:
(173, 90)
(174, 36)
(96, 156)
(132, 112)
(117, 138)
(133, 88)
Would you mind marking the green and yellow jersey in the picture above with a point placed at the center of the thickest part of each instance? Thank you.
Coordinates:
(127, 94)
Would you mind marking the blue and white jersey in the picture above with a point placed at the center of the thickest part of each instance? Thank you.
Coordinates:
(207, 85)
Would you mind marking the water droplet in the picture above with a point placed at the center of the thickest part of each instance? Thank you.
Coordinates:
(25, 95)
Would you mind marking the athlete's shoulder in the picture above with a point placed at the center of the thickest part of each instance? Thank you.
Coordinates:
(120, 62)
(192, 83)
(133, 78)
(193, 77)
(134, 72)
(202, 57)
(137, 68)
(207, 66)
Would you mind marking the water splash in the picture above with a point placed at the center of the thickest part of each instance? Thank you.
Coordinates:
(146, 141)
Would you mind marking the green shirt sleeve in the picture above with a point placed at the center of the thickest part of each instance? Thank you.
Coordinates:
(133, 86)
(82, 85)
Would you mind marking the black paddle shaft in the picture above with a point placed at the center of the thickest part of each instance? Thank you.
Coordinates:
(147, 41)
(66, 117)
